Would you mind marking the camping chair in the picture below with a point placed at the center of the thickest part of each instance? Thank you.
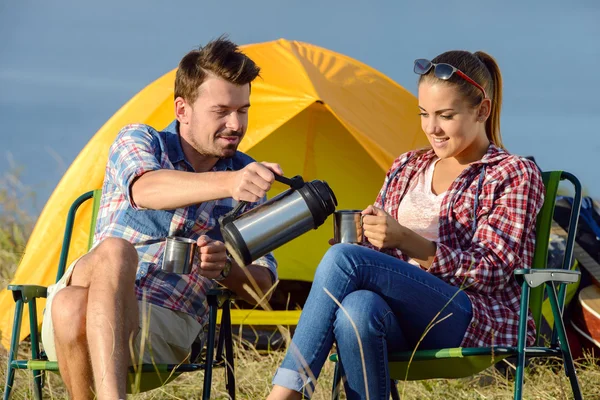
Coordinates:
(152, 375)
(462, 362)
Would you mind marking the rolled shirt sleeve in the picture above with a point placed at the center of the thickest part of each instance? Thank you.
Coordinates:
(268, 261)
(133, 153)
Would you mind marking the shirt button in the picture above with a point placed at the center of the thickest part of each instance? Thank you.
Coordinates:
(474, 324)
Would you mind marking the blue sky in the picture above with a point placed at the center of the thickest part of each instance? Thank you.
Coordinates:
(66, 66)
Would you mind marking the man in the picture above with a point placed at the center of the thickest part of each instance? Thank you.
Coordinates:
(175, 182)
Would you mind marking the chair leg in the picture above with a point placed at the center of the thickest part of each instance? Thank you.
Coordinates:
(394, 390)
(521, 342)
(564, 343)
(337, 379)
(518, 392)
(229, 357)
(35, 349)
(14, 347)
(210, 346)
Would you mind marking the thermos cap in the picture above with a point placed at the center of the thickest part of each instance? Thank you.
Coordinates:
(320, 199)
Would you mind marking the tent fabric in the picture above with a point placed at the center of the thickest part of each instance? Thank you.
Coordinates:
(317, 113)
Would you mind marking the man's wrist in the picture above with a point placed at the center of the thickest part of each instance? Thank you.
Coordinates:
(225, 271)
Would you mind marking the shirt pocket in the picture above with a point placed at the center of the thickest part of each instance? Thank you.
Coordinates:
(153, 223)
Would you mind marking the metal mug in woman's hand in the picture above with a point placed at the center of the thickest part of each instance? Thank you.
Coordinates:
(348, 226)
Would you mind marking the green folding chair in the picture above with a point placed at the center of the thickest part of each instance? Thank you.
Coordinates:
(152, 375)
(462, 362)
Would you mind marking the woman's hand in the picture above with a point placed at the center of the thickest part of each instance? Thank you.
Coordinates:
(381, 229)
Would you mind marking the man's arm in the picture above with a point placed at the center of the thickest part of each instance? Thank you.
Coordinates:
(256, 277)
(166, 189)
(170, 189)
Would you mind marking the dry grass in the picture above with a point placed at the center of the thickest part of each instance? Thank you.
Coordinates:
(254, 372)
(15, 224)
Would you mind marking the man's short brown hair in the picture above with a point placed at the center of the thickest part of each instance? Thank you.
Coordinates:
(219, 57)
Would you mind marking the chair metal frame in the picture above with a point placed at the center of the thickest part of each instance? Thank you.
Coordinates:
(38, 363)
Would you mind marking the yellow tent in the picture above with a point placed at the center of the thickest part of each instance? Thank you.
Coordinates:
(318, 113)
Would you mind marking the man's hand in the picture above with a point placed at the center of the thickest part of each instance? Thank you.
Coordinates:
(253, 181)
(212, 257)
(381, 229)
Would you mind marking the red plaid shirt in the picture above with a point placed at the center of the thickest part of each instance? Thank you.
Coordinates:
(480, 254)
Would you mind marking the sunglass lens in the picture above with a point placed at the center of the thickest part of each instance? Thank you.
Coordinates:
(422, 66)
(444, 71)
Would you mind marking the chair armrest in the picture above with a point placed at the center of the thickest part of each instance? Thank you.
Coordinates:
(27, 292)
(535, 277)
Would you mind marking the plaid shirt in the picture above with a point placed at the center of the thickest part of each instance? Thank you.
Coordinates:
(139, 149)
(504, 193)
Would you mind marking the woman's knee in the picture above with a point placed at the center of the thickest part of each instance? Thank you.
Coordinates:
(362, 312)
(337, 260)
(69, 308)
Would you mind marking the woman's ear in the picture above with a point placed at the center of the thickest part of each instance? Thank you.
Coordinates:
(485, 108)
(181, 111)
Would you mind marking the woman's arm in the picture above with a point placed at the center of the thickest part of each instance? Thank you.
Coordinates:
(496, 246)
(500, 236)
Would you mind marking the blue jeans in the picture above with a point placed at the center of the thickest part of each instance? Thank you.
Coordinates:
(387, 305)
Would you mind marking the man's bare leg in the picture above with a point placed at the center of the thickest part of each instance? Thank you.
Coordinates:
(110, 317)
(68, 313)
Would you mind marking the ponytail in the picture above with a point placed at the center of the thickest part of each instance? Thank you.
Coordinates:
(492, 125)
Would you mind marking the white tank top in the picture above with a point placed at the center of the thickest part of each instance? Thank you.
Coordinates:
(419, 209)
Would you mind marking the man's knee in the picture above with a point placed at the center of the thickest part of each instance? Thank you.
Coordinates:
(116, 253)
(69, 308)
(121, 249)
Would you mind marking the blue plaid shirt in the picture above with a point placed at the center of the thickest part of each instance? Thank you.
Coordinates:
(138, 149)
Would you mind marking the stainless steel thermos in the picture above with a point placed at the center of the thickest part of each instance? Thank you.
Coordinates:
(251, 235)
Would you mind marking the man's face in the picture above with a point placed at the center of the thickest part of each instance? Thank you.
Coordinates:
(216, 122)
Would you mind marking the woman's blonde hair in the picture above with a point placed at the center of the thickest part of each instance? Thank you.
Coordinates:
(483, 69)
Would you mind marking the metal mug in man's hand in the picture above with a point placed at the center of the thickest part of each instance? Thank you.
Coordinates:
(179, 254)
(348, 226)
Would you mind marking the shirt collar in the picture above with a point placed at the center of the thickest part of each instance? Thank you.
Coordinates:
(224, 164)
(493, 154)
(174, 143)
(176, 151)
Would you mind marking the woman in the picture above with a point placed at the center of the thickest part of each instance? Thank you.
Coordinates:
(448, 229)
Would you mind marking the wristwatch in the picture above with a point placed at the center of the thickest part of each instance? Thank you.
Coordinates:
(225, 271)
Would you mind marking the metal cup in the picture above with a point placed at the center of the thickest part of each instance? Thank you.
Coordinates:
(179, 253)
(347, 226)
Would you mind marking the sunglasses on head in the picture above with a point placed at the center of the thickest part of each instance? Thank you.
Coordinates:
(444, 71)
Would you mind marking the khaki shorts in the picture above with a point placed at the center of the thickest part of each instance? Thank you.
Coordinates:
(164, 336)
